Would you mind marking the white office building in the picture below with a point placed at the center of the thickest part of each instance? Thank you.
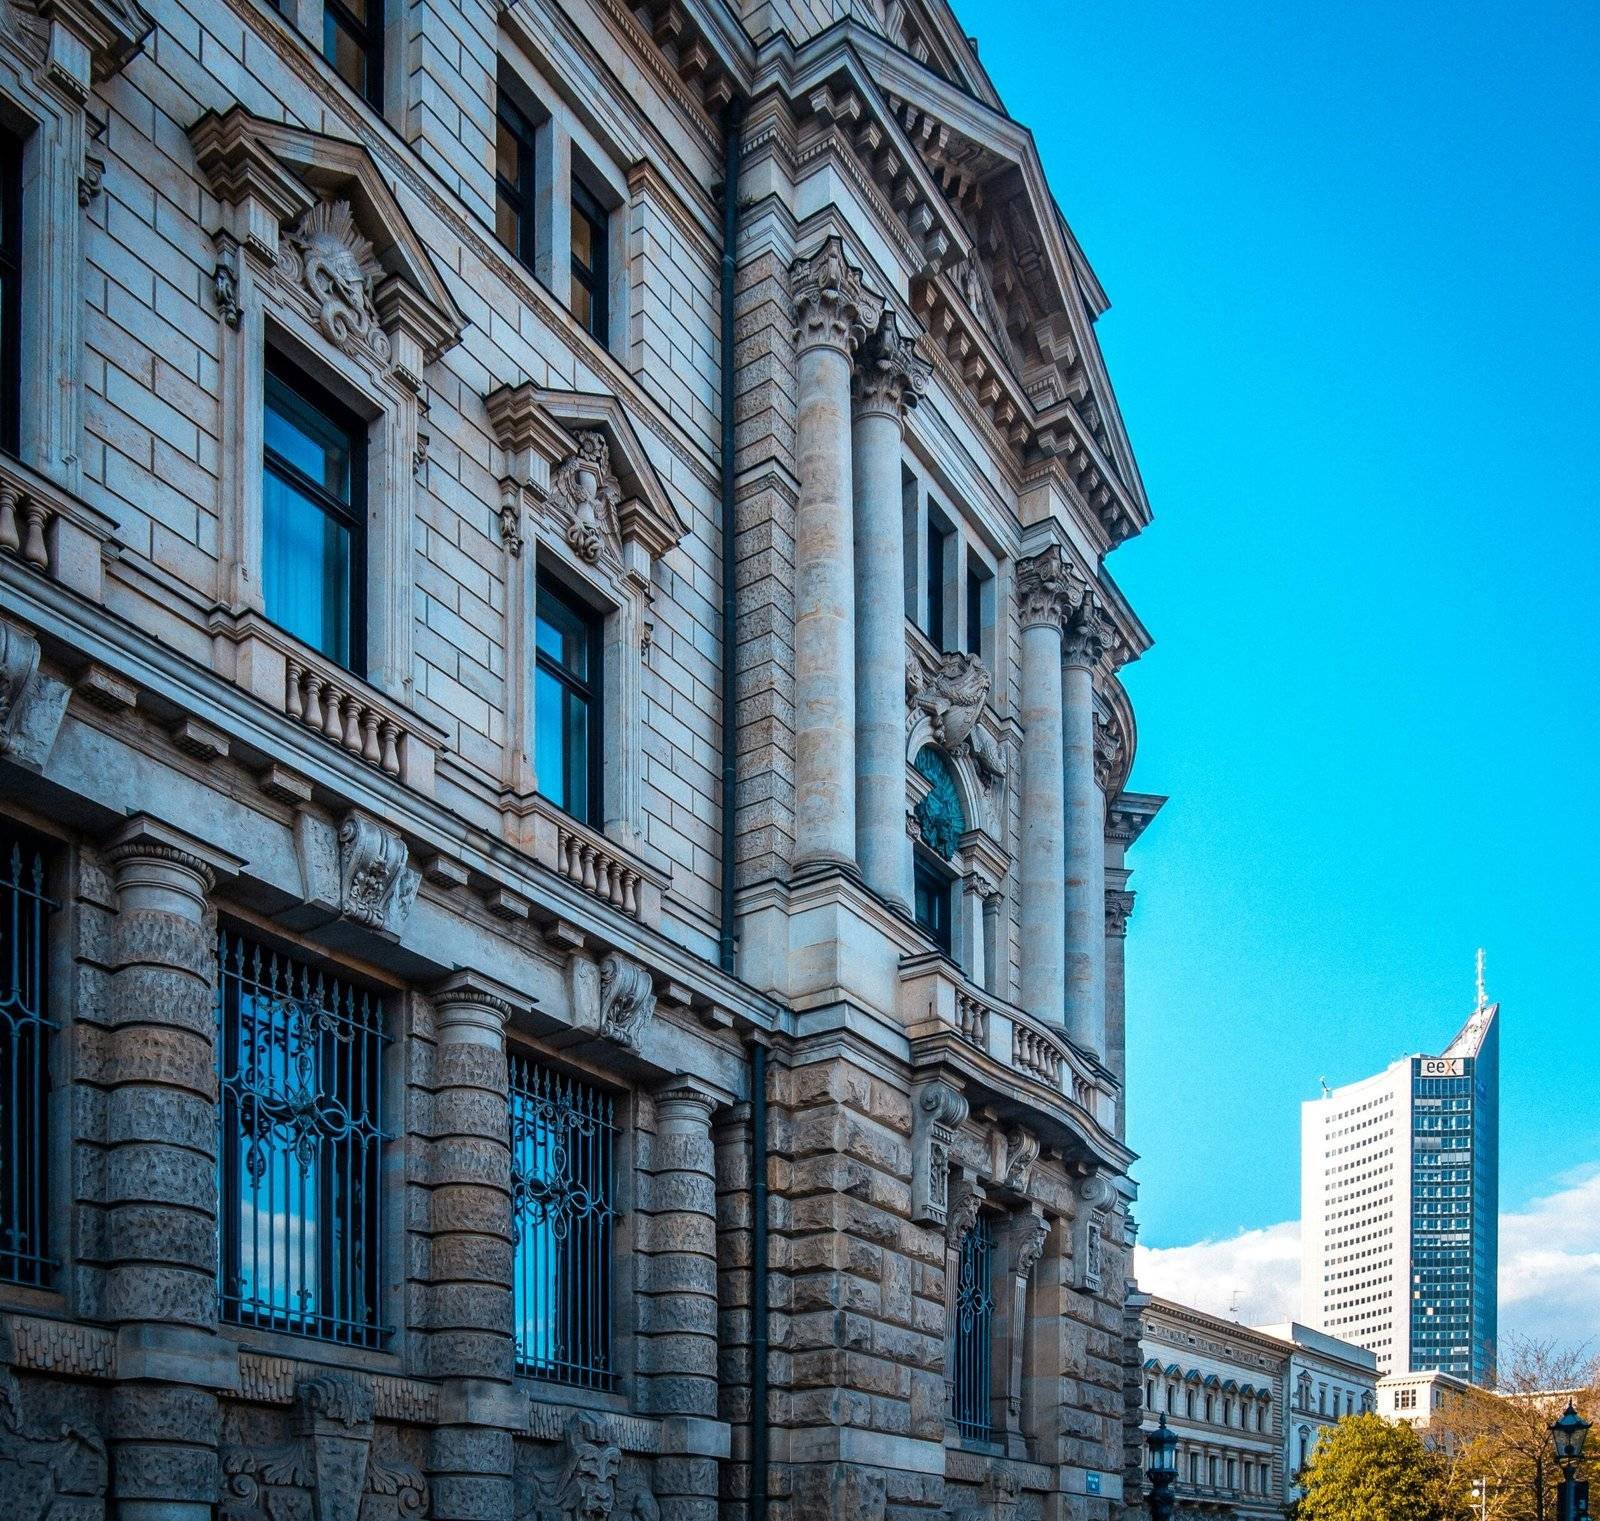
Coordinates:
(1399, 1205)
(1327, 1379)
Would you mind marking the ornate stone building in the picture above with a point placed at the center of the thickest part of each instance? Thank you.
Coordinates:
(563, 772)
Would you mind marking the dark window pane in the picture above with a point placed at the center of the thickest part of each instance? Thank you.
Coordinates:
(10, 292)
(938, 539)
(582, 238)
(566, 703)
(352, 41)
(974, 613)
(932, 907)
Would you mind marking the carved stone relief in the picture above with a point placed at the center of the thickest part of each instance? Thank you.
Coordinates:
(32, 704)
(586, 1479)
(615, 997)
(360, 871)
(1032, 1233)
(966, 1199)
(1022, 1151)
(583, 499)
(953, 695)
(331, 1469)
(52, 1468)
(938, 1112)
(328, 255)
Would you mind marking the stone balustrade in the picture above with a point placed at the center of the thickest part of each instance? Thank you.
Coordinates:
(1036, 1055)
(972, 1018)
(347, 717)
(45, 527)
(22, 523)
(597, 865)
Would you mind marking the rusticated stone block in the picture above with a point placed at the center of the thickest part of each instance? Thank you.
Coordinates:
(471, 1112)
(463, 1353)
(147, 937)
(171, 1295)
(156, 1054)
(470, 1258)
(157, 995)
(186, 1119)
(156, 1233)
(162, 1175)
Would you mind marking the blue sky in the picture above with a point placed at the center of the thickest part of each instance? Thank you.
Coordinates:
(1352, 252)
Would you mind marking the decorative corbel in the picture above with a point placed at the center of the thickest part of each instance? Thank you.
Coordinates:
(359, 871)
(938, 1110)
(1022, 1151)
(966, 1199)
(32, 704)
(614, 998)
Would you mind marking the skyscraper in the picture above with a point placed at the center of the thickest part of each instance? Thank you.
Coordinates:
(1399, 1206)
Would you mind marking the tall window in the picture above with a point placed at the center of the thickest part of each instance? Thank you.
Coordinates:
(300, 1141)
(514, 164)
(941, 822)
(590, 261)
(24, 1072)
(10, 293)
(976, 581)
(563, 1205)
(567, 703)
(313, 530)
(939, 538)
(932, 888)
(971, 1356)
(352, 41)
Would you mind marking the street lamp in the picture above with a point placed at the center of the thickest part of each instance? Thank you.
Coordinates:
(1569, 1433)
(1162, 1470)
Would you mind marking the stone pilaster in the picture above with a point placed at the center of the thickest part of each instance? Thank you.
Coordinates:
(890, 376)
(1047, 591)
(469, 1337)
(161, 1178)
(831, 313)
(1085, 817)
(1119, 904)
(678, 1303)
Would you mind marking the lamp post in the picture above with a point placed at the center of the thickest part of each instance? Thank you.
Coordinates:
(1569, 1433)
(1162, 1470)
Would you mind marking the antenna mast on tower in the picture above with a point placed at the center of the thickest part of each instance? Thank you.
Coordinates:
(1483, 1000)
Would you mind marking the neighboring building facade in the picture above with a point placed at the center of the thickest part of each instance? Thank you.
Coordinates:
(1326, 1380)
(1399, 1207)
(1413, 1399)
(1220, 1387)
(530, 993)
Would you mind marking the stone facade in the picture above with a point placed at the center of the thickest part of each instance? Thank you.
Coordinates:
(825, 1101)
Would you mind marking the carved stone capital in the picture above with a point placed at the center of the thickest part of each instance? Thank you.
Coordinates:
(32, 704)
(891, 375)
(832, 308)
(937, 1113)
(1119, 904)
(1049, 588)
(464, 1004)
(1087, 635)
(1022, 1151)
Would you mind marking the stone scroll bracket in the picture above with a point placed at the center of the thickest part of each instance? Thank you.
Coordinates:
(32, 705)
(356, 870)
(938, 1110)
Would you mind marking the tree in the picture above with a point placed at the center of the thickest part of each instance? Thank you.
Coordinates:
(1364, 1469)
(1502, 1439)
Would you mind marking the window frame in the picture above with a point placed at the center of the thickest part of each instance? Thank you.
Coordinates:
(591, 690)
(971, 1348)
(369, 39)
(940, 539)
(13, 273)
(278, 370)
(931, 878)
(593, 278)
(522, 198)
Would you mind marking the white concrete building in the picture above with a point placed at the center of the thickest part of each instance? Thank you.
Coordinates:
(1327, 1379)
(1413, 1399)
(1399, 1206)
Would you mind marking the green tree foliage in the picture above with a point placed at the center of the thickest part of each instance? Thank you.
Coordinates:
(1364, 1469)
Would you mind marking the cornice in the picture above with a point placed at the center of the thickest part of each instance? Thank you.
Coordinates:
(1214, 1325)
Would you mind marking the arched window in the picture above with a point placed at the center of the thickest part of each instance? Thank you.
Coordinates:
(1188, 1403)
(941, 821)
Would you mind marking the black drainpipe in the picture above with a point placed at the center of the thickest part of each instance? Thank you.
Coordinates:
(732, 120)
(758, 1281)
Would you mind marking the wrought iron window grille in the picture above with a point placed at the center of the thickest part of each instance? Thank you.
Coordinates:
(563, 1210)
(300, 1146)
(24, 1064)
(972, 1340)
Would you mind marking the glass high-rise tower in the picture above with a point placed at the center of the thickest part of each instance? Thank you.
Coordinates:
(1400, 1203)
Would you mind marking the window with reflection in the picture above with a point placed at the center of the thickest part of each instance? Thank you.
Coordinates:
(516, 140)
(313, 507)
(940, 541)
(300, 1143)
(563, 1208)
(352, 41)
(567, 702)
(941, 821)
(590, 261)
(10, 292)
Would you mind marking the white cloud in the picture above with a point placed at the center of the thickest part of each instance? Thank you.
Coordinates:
(1549, 1269)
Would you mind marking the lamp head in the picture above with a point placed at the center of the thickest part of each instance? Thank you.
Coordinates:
(1569, 1433)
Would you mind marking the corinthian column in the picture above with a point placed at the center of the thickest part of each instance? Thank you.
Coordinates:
(1085, 832)
(1047, 591)
(828, 301)
(890, 376)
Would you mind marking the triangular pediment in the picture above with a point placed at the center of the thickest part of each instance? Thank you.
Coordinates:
(281, 173)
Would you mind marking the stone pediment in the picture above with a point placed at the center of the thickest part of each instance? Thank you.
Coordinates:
(273, 177)
(583, 454)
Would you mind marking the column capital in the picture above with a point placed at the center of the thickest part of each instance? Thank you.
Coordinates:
(468, 1000)
(1088, 634)
(683, 1102)
(158, 866)
(891, 375)
(1049, 587)
(1119, 904)
(832, 308)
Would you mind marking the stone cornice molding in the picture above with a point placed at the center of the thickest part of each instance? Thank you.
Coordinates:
(833, 309)
(1049, 588)
(1128, 814)
(145, 838)
(110, 32)
(891, 375)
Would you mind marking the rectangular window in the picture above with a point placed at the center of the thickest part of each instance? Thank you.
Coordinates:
(972, 1349)
(352, 41)
(975, 599)
(932, 889)
(313, 530)
(567, 703)
(514, 160)
(24, 1064)
(300, 1142)
(938, 551)
(10, 293)
(590, 261)
(563, 1207)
